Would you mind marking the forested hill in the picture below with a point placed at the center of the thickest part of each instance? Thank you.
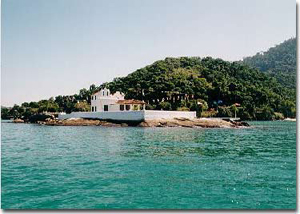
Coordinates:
(279, 61)
(218, 83)
(212, 87)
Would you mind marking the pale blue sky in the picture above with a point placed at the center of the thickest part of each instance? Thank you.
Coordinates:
(52, 47)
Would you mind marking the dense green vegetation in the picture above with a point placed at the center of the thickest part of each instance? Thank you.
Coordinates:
(76, 102)
(212, 87)
(279, 62)
(183, 83)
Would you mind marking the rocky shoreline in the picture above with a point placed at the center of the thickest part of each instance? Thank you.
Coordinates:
(194, 123)
(176, 122)
(80, 122)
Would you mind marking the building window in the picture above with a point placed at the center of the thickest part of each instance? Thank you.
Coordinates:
(105, 107)
(142, 107)
(92, 97)
(95, 108)
(121, 107)
(95, 98)
(107, 93)
(92, 108)
(103, 93)
(127, 107)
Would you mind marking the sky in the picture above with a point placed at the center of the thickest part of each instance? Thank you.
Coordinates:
(57, 47)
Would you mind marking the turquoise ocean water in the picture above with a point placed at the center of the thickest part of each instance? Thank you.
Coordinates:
(149, 168)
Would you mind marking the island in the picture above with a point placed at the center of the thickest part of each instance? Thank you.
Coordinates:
(261, 87)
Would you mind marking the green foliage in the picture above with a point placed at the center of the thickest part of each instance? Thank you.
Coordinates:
(278, 116)
(150, 107)
(69, 103)
(210, 113)
(225, 111)
(5, 113)
(183, 109)
(182, 81)
(265, 113)
(165, 106)
(48, 106)
(16, 111)
(198, 105)
(279, 61)
(82, 106)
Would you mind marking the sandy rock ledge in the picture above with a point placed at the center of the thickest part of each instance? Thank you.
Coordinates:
(176, 122)
(193, 123)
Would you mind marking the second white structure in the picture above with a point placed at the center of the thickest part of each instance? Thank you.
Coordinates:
(103, 100)
(114, 107)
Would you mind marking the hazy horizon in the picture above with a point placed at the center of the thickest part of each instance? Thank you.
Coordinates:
(58, 47)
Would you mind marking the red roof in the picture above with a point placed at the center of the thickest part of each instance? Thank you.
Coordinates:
(130, 102)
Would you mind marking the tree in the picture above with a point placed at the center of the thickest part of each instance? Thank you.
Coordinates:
(82, 106)
(279, 61)
(5, 113)
(165, 106)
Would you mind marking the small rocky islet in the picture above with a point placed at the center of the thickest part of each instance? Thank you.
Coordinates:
(176, 122)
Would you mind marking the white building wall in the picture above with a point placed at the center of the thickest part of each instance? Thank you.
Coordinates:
(103, 97)
(114, 108)
(117, 116)
(158, 114)
(131, 115)
(94, 102)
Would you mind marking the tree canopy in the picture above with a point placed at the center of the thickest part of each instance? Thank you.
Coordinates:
(279, 61)
(217, 82)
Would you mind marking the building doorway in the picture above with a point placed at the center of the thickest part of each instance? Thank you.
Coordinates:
(105, 107)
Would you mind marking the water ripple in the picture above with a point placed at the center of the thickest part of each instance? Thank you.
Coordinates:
(156, 168)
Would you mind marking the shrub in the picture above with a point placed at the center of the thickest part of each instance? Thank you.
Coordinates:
(224, 111)
(82, 106)
(278, 116)
(150, 107)
(210, 113)
(165, 105)
(183, 109)
(265, 113)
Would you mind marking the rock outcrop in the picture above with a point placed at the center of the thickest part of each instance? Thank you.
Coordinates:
(79, 122)
(18, 121)
(176, 122)
(193, 123)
